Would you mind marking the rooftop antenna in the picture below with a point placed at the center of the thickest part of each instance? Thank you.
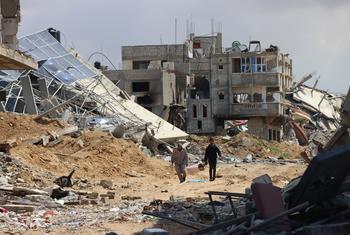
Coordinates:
(161, 39)
(212, 26)
(187, 28)
(175, 30)
(192, 25)
(219, 27)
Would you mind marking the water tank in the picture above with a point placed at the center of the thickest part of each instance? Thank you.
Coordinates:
(55, 33)
(97, 64)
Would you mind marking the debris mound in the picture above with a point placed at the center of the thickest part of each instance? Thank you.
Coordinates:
(243, 144)
(94, 154)
(14, 126)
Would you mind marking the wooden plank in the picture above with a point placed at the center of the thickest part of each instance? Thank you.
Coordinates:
(18, 208)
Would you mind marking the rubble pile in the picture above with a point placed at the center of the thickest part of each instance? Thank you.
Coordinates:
(29, 199)
(244, 144)
(309, 204)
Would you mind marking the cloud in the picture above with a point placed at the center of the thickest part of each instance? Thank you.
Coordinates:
(314, 32)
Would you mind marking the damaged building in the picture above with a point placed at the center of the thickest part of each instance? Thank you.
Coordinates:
(215, 85)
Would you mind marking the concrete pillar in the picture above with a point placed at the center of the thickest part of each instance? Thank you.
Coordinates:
(43, 88)
(2, 107)
(28, 95)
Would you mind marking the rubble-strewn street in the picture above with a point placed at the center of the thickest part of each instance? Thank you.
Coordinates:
(113, 179)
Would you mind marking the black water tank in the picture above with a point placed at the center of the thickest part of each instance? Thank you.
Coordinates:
(55, 33)
(97, 64)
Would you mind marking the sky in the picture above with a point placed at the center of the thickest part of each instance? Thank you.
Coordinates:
(315, 33)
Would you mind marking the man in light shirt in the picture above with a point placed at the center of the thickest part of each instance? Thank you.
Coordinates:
(180, 159)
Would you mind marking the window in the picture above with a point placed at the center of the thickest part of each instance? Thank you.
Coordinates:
(196, 44)
(220, 67)
(199, 125)
(245, 64)
(140, 64)
(162, 63)
(269, 93)
(194, 111)
(236, 65)
(257, 97)
(144, 99)
(140, 86)
(205, 110)
(221, 95)
(241, 98)
(259, 65)
(253, 64)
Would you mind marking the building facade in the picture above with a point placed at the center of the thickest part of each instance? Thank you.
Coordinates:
(215, 85)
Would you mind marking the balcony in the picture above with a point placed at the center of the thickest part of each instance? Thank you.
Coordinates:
(256, 110)
(262, 79)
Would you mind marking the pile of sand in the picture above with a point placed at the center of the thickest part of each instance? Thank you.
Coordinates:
(93, 155)
(15, 126)
(242, 144)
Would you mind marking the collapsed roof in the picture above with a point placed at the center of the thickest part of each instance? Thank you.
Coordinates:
(64, 80)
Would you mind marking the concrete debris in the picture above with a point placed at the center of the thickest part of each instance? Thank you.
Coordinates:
(248, 158)
(267, 209)
(108, 184)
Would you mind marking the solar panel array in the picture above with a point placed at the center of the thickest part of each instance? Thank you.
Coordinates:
(55, 59)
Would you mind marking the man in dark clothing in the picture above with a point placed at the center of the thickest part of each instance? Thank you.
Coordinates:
(211, 154)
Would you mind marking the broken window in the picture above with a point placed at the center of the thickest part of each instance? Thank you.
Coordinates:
(270, 91)
(241, 98)
(199, 125)
(259, 64)
(236, 65)
(205, 110)
(194, 110)
(221, 95)
(257, 97)
(245, 64)
(144, 99)
(140, 64)
(202, 87)
(220, 67)
(162, 63)
(196, 44)
(140, 86)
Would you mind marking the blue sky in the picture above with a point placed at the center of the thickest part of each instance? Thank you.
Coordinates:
(315, 33)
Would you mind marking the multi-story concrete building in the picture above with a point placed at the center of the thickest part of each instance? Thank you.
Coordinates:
(243, 83)
(157, 75)
(214, 84)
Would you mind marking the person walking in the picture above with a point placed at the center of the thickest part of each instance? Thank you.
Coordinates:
(180, 159)
(211, 154)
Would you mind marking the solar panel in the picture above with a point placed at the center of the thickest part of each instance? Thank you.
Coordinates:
(56, 60)
(9, 75)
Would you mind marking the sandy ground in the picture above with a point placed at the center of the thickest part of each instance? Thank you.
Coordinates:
(97, 155)
(234, 179)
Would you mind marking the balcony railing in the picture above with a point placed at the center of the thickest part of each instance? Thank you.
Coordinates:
(264, 79)
(257, 109)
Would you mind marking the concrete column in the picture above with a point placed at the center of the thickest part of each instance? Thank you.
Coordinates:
(2, 107)
(28, 95)
(43, 88)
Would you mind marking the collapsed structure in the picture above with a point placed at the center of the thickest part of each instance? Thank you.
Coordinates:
(66, 86)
